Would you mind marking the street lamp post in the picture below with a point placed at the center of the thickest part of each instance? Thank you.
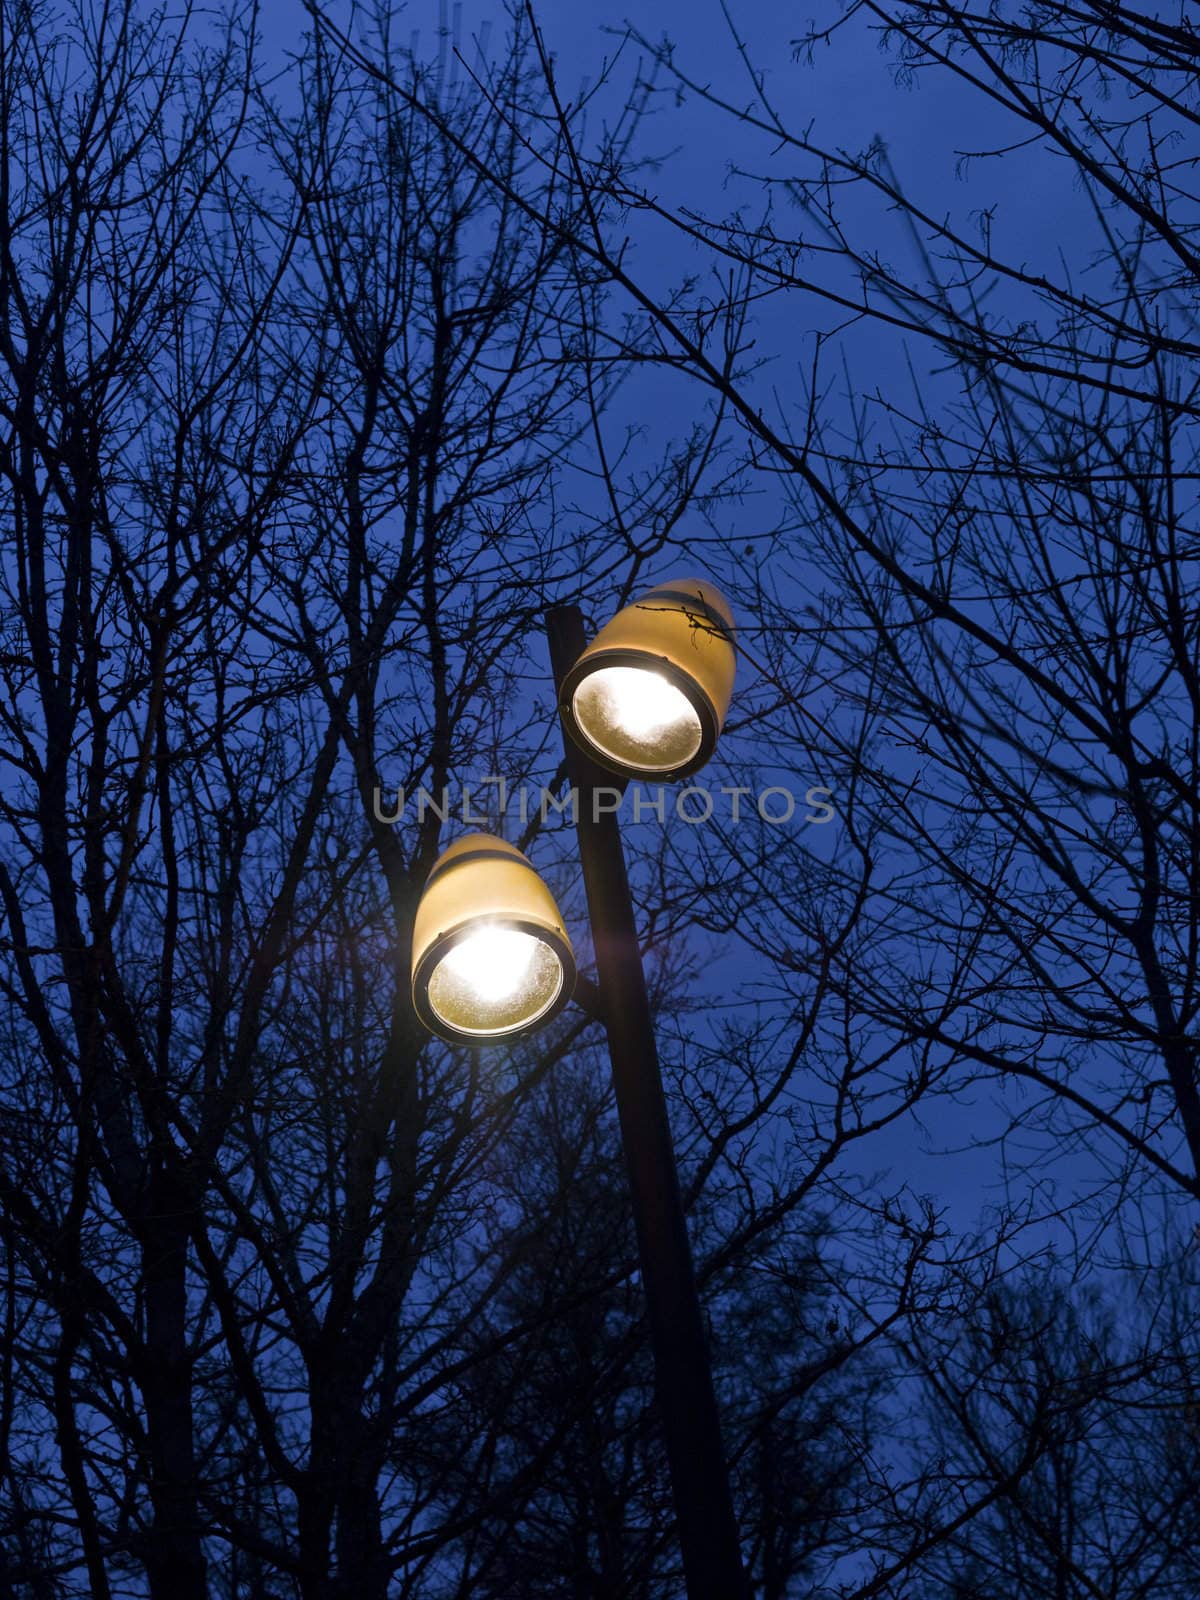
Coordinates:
(708, 1535)
(492, 959)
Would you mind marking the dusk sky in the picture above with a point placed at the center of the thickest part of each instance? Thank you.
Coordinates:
(848, 95)
(740, 1205)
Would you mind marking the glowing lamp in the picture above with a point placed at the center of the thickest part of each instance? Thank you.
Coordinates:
(648, 696)
(491, 957)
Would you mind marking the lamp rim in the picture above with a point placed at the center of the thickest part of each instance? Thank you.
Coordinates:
(444, 942)
(630, 656)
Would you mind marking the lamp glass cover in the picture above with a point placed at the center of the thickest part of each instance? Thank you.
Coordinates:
(495, 979)
(638, 718)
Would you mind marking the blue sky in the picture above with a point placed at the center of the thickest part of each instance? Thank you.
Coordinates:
(845, 97)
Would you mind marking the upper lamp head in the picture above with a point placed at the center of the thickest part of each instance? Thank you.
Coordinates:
(491, 957)
(648, 697)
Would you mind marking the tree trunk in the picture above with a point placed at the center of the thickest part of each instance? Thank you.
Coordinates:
(175, 1562)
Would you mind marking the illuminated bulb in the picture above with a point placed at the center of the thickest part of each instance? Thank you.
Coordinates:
(495, 962)
(643, 702)
(637, 717)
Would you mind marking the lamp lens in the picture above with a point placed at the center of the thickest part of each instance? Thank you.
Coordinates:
(637, 718)
(495, 980)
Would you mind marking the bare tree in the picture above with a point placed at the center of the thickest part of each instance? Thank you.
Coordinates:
(974, 607)
(274, 434)
(307, 401)
(1066, 1408)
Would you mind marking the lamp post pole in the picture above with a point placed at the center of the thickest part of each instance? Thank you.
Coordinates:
(708, 1534)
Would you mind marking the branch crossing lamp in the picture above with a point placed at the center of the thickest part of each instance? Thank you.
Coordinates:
(491, 957)
(492, 961)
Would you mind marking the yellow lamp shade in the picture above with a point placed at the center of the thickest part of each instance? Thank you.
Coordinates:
(648, 696)
(491, 957)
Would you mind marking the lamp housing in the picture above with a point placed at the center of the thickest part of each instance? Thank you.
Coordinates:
(648, 697)
(491, 958)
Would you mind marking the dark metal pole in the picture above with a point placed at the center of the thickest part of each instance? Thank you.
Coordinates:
(708, 1534)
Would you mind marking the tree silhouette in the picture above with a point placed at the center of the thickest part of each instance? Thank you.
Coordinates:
(298, 383)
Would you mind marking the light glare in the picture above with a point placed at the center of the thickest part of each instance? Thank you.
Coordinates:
(643, 702)
(495, 962)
